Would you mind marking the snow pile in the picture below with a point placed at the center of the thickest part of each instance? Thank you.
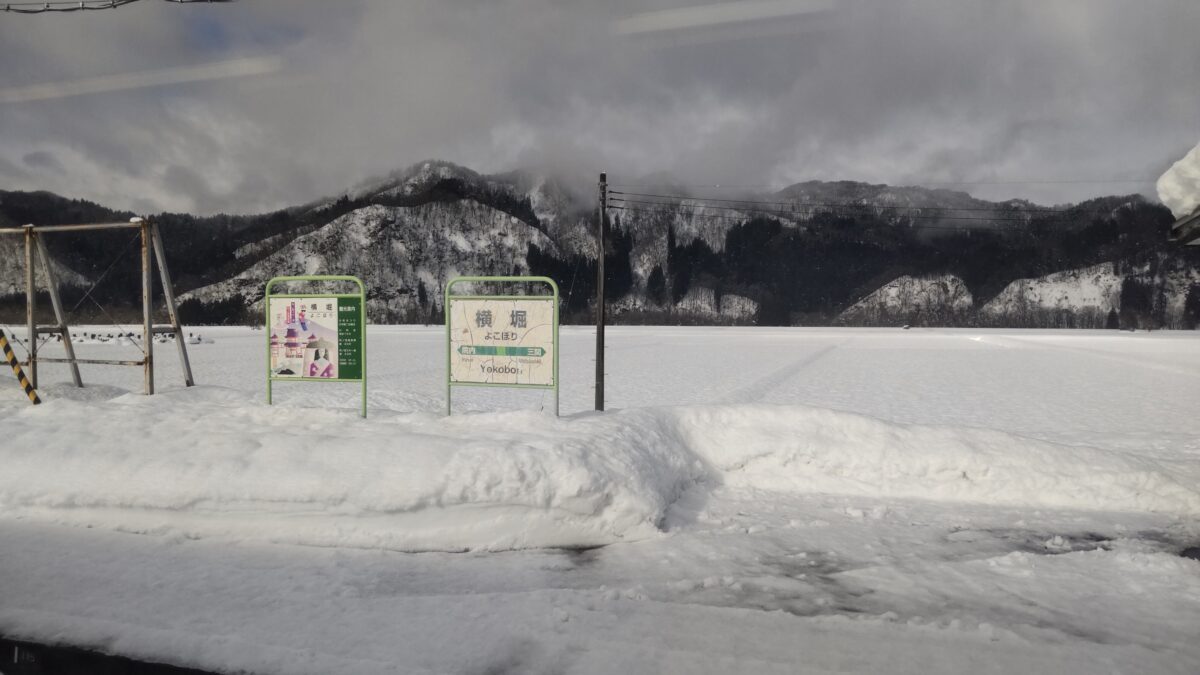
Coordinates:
(211, 462)
(1179, 187)
(810, 450)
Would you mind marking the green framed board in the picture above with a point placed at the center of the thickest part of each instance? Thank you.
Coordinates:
(316, 337)
(502, 340)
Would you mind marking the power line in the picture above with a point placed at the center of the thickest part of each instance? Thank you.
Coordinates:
(729, 217)
(832, 208)
(120, 255)
(918, 183)
(1082, 181)
(80, 5)
(838, 204)
(43, 7)
(677, 186)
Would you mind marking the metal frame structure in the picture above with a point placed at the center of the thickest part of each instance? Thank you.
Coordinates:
(152, 251)
(361, 296)
(450, 298)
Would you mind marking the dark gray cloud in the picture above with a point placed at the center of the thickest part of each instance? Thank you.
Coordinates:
(1014, 98)
(43, 160)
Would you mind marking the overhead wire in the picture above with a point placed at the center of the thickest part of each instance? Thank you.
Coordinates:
(571, 287)
(88, 296)
(120, 255)
(763, 186)
(747, 215)
(43, 7)
(27, 7)
(845, 209)
(740, 208)
(796, 203)
(1081, 181)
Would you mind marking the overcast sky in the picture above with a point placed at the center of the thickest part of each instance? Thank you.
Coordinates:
(265, 103)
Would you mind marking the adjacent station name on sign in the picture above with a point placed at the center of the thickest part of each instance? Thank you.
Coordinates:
(316, 338)
(508, 341)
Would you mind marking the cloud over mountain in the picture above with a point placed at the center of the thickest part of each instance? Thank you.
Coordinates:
(1019, 99)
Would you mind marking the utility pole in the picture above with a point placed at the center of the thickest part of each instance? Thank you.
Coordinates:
(601, 238)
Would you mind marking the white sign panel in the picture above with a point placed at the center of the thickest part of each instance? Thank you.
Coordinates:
(503, 341)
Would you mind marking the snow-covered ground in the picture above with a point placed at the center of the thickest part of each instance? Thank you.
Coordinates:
(755, 500)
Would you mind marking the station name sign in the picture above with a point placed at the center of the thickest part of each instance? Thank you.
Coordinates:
(500, 340)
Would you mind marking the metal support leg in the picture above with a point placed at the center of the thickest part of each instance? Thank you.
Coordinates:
(30, 305)
(169, 296)
(59, 315)
(147, 308)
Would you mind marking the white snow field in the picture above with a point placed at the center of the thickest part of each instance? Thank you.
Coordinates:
(754, 501)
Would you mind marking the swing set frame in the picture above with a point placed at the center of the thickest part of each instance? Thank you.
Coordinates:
(152, 251)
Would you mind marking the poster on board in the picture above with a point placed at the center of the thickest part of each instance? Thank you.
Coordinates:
(315, 338)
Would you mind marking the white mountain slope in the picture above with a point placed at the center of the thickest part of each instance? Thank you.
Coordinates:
(396, 251)
(1090, 293)
(1175, 286)
(704, 302)
(1097, 288)
(12, 268)
(912, 299)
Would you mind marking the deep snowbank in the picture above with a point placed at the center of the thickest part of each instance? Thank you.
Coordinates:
(212, 462)
(812, 450)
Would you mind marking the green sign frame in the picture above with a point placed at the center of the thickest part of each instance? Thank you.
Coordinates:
(450, 298)
(353, 300)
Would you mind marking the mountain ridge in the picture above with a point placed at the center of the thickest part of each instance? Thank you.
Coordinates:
(802, 255)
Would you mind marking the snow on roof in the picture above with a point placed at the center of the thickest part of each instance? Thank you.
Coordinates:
(1179, 187)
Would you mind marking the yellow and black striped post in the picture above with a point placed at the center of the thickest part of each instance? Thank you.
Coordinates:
(16, 367)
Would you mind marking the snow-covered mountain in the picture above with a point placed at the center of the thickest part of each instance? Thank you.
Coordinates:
(813, 253)
(405, 254)
(12, 269)
(1094, 291)
(1079, 298)
(938, 300)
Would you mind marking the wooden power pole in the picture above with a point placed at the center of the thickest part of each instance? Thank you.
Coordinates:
(601, 238)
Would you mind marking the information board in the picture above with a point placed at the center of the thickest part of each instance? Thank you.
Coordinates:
(502, 340)
(316, 337)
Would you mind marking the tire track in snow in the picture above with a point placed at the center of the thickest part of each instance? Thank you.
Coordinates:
(1174, 369)
(758, 389)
